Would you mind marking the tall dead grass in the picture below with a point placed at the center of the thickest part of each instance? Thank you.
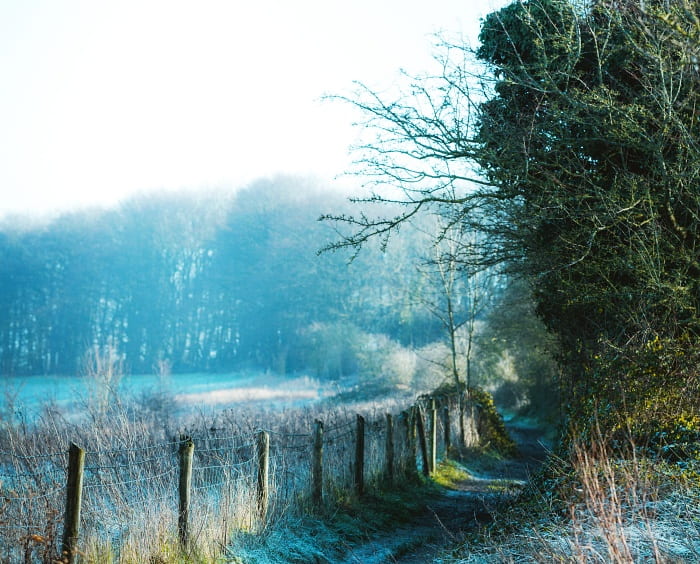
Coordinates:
(131, 477)
(600, 507)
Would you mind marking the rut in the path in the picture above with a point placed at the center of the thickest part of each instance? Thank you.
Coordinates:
(448, 517)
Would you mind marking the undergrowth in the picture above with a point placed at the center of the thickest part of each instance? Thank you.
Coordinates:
(597, 506)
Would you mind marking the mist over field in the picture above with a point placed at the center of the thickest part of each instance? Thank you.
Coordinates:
(195, 284)
(176, 292)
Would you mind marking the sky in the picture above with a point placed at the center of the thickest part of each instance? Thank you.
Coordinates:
(104, 99)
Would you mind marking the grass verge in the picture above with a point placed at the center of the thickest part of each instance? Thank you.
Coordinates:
(327, 537)
(597, 507)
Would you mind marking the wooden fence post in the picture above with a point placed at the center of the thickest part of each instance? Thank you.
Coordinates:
(317, 465)
(462, 428)
(412, 441)
(403, 427)
(263, 447)
(421, 438)
(433, 436)
(360, 456)
(186, 453)
(389, 457)
(409, 450)
(74, 496)
(448, 430)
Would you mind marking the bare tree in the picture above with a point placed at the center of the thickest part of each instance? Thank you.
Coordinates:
(461, 295)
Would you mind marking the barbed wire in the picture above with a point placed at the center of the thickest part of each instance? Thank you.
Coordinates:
(213, 442)
(239, 447)
(131, 464)
(283, 434)
(292, 448)
(339, 426)
(153, 499)
(32, 456)
(224, 466)
(44, 495)
(58, 471)
(127, 482)
(106, 452)
(339, 438)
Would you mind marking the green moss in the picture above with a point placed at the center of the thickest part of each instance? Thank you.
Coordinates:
(492, 428)
(493, 434)
(449, 473)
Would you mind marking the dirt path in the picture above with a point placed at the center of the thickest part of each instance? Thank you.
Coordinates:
(447, 517)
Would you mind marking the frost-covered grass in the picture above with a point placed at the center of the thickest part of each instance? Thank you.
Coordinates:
(598, 507)
(327, 536)
(131, 479)
(25, 398)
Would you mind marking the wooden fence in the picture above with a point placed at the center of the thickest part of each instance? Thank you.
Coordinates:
(112, 495)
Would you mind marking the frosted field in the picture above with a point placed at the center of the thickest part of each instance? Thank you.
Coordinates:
(25, 397)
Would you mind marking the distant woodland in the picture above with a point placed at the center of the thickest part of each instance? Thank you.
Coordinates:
(214, 284)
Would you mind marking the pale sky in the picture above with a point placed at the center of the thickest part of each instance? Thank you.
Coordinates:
(103, 99)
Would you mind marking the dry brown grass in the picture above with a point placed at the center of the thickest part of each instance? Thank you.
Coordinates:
(600, 507)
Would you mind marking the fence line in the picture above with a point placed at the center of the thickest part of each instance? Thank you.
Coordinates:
(244, 481)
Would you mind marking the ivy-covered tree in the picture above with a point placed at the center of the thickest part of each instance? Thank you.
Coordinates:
(579, 163)
(592, 136)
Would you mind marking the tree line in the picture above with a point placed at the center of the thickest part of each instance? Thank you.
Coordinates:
(215, 284)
